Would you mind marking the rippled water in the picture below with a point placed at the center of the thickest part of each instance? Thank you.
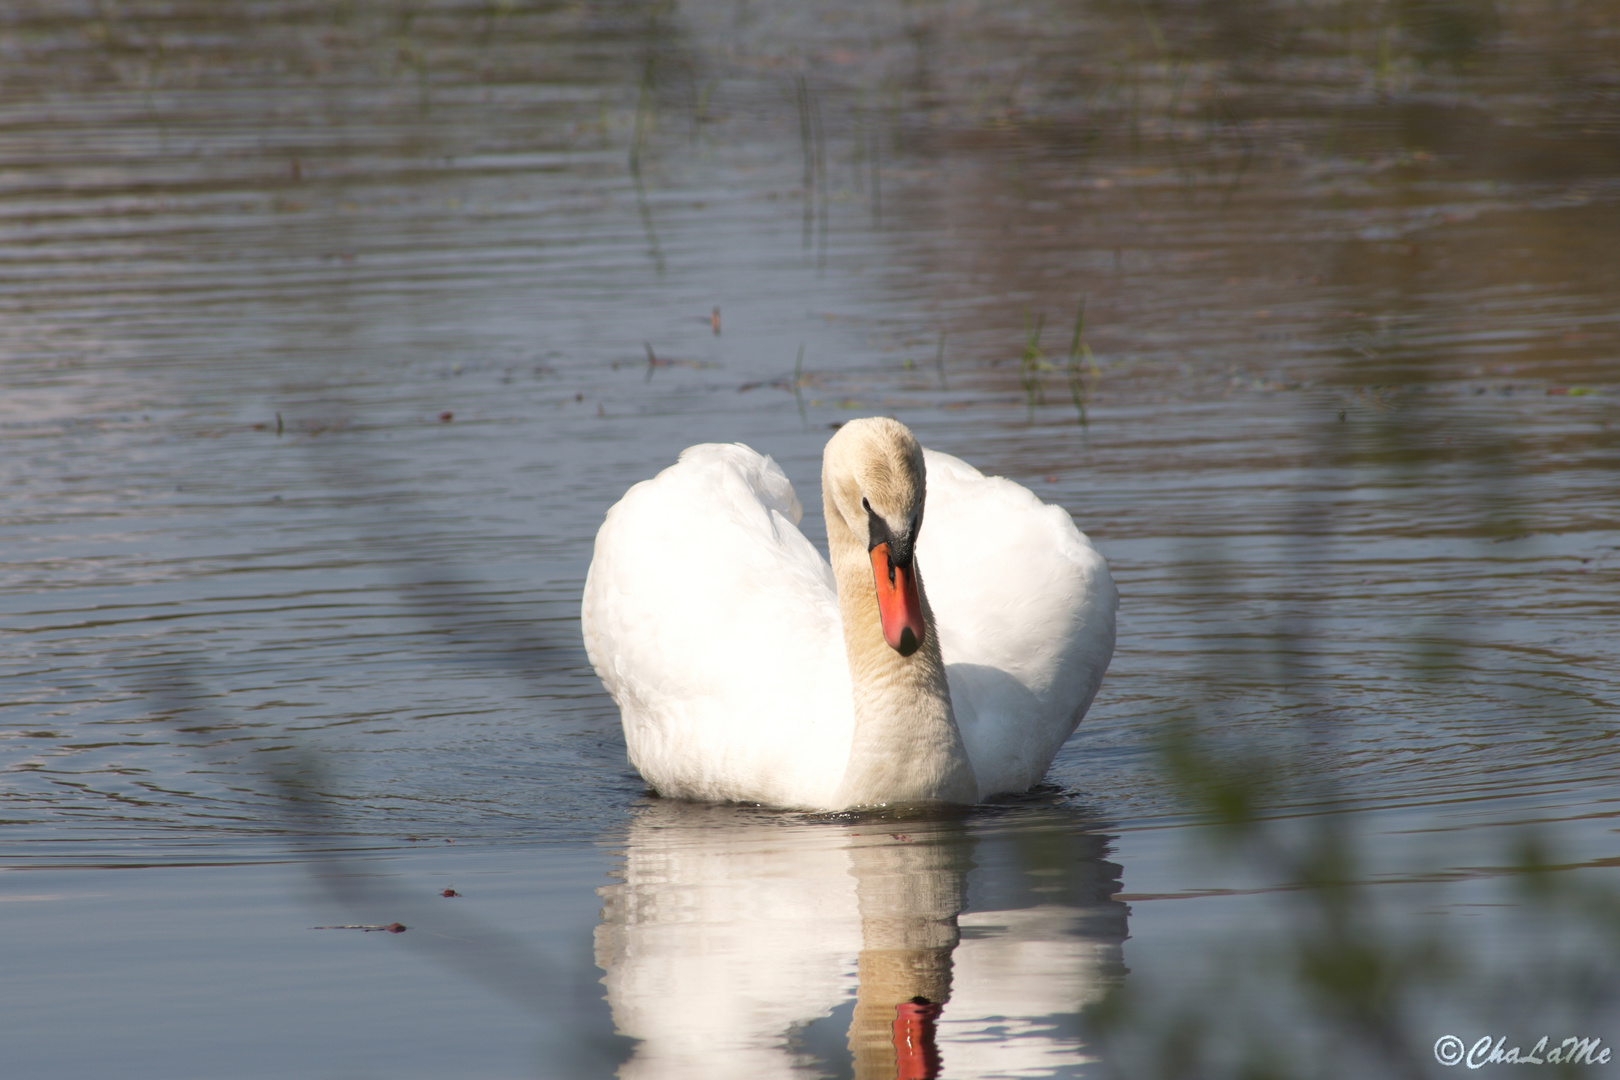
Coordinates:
(330, 331)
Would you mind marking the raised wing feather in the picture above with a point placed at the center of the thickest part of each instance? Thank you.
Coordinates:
(1024, 607)
(714, 625)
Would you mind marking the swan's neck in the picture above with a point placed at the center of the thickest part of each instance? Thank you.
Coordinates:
(906, 746)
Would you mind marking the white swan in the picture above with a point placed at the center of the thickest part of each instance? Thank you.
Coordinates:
(748, 669)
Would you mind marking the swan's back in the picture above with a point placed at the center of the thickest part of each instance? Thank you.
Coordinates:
(1024, 607)
(714, 625)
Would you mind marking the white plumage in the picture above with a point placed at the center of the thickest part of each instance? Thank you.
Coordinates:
(716, 627)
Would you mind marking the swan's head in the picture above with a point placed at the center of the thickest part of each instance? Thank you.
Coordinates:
(874, 479)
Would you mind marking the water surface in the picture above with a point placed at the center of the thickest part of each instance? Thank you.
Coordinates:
(330, 332)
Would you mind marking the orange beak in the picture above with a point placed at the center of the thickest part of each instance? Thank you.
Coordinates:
(898, 605)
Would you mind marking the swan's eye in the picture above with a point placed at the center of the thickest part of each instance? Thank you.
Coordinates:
(877, 530)
(866, 505)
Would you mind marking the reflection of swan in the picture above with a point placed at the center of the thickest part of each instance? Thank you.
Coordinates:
(725, 934)
(748, 669)
(1021, 978)
(733, 929)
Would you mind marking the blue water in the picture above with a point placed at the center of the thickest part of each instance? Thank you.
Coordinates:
(324, 339)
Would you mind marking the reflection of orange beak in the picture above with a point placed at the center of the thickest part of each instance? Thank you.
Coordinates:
(916, 1050)
(898, 605)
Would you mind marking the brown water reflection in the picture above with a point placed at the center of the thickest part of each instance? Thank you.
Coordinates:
(1349, 442)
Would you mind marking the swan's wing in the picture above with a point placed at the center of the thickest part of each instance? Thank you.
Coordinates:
(714, 625)
(1024, 606)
